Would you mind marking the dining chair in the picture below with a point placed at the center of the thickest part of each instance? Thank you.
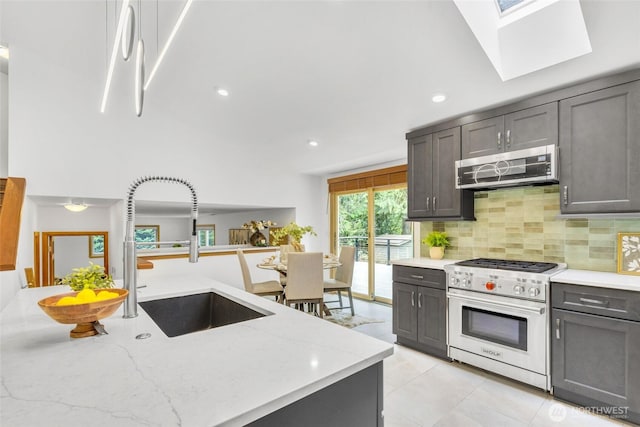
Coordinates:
(305, 280)
(268, 288)
(343, 278)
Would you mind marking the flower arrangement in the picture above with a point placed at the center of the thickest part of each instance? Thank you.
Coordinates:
(295, 233)
(258, 225)
(92, 277)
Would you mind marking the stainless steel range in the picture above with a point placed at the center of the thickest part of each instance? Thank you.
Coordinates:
(499, 316)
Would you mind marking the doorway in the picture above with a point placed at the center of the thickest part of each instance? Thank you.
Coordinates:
(374, 221)
(56, 253)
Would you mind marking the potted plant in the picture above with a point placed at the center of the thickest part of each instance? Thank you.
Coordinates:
(91, 277)
(295, 234)
(437, 240)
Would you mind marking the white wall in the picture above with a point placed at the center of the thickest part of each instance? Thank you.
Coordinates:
(72, 252)
(63, 145)
(4, 129)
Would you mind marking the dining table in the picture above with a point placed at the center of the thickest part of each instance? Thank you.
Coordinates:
(329, 261)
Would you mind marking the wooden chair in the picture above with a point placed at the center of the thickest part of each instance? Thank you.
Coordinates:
(268, 288)
(31, 280)
(305, 280)
(343, 278)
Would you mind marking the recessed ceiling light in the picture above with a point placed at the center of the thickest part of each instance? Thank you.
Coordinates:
(439, 97)
(313, 143)
(222, 91)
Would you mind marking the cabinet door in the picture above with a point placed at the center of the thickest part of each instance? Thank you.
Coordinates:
(599, 151)
(420, 183)
(483, 138)
(405, 312)
(446, 150)
(596, 358)
(432, 317)
(533, 127)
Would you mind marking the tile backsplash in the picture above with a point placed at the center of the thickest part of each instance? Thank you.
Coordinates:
(523, 223)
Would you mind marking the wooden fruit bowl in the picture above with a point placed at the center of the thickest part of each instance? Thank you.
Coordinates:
(86, 315)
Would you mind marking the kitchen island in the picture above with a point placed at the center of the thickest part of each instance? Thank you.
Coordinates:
(267, 370)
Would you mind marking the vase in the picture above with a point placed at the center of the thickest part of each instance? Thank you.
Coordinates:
(258, 239)
(436, 252)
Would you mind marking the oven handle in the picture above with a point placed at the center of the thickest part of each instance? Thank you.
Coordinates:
(537, 310)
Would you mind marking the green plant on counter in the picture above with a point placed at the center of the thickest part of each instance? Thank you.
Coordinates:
(294, 231)
(436, 239)
(92, 277)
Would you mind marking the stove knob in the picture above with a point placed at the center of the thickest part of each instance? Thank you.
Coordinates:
(490, 286)
(534, 292)
(518, 289)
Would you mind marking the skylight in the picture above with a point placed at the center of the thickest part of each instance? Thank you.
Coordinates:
(508, 5)
(523, 36)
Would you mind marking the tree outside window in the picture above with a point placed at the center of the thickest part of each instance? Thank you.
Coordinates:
(206, 234)
(147, 234)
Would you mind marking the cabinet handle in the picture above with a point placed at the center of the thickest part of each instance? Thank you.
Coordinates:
(557, 329)
(499, 140)
(593, 301)
(434, 203)
(428, 203)
(508, 138)
(565, 195)
(415, 276)
(419, 299)
(413, 299)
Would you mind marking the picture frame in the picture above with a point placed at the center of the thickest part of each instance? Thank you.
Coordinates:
(629, 253)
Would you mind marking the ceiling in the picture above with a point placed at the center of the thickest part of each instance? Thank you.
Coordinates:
(353, 75)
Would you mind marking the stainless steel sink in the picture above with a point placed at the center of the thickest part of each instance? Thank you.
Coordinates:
(198, 312)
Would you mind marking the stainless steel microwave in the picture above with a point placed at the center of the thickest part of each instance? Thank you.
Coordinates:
(529, 166)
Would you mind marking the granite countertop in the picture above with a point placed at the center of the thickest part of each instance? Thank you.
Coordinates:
(229, 375)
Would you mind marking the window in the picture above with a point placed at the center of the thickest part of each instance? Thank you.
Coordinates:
(147, 233)
(96, 246)
(505, 5)
(206, 234)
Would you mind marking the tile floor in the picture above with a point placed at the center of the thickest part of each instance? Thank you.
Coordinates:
(420, 390)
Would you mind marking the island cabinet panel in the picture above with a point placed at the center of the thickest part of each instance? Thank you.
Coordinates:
(431, 183)
(599, 151)
(531, 127)
(356, 401)
(419, 309)
(595, 358)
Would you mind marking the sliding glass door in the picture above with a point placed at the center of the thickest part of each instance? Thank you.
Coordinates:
(374, 222)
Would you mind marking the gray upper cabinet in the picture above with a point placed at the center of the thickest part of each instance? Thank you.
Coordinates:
(431, 178)
(419, 174)
(531, 127)
(599, 151)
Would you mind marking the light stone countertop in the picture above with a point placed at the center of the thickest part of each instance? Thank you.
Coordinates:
(598, 279)
(577, 277)
(229, 375)
(424, 262)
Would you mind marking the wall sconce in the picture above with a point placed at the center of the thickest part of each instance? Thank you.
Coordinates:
(75, 207)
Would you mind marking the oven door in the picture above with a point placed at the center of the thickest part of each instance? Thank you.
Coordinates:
(505, 329)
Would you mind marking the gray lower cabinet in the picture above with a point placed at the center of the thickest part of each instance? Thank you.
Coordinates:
(356, 401)
(596, 357)
(420, 309)
(431, 178)
(528, 128)
(599, 151)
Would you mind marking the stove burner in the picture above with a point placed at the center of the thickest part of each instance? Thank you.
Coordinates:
(505, 264)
